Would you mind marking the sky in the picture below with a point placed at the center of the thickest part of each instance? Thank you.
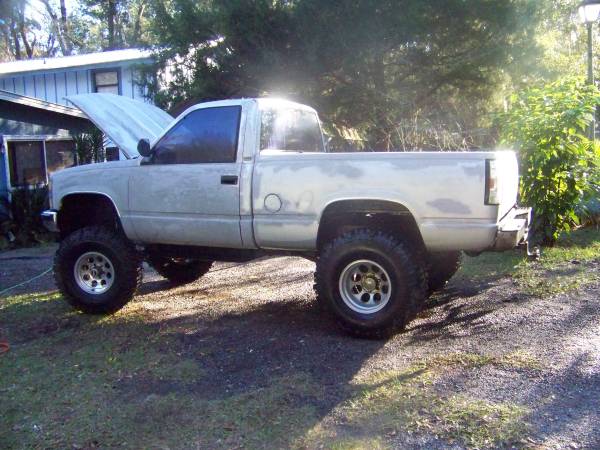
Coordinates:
(38, 10)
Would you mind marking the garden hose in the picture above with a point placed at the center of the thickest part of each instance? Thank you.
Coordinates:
(4, 345)
(2, 292)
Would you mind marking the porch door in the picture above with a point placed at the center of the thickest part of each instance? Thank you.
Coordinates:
(26, 163)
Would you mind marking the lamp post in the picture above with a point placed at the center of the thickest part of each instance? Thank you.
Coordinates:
(589, 12)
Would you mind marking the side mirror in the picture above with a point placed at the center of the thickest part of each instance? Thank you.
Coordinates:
(143, 148)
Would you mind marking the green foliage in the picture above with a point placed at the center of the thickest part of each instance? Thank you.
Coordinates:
(110, 25)
(589, 208)
(370, 66)
(89, 147)
(547, 124)
(23, 221)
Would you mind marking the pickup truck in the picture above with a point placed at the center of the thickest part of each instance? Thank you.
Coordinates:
(240, 179)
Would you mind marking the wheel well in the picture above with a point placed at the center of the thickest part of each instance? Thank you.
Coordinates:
(81, 210)
(394, 218)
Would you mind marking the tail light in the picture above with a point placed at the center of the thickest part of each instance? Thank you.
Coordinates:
(491, 183)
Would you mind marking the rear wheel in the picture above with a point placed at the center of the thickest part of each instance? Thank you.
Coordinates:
(179, 270)
(441, 267)
(371, 282)
(97, 270)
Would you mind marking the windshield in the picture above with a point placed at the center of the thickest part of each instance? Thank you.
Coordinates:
(290, 129)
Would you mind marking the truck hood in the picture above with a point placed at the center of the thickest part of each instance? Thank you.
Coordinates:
(123, 120)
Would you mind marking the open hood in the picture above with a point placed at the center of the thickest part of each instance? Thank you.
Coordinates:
(123, 120)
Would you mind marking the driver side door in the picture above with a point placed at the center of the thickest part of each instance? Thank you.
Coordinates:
(188, 193)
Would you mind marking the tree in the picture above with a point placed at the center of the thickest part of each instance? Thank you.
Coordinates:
(60, 26)
(17, 29)
(118, 23)
(368, 66)
(559, 165)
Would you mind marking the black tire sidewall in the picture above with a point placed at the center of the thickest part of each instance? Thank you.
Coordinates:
(399, 263)
(121, 253)
(70, 258)
(441, 267)
(395, 304)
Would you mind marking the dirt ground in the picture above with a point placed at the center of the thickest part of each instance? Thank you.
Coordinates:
(248, 325)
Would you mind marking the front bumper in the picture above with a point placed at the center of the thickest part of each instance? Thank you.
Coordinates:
(513, 229)
(50, 220)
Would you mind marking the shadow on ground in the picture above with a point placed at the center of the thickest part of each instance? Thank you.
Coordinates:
(244, 358)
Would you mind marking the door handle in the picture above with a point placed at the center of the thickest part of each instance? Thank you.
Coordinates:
(229, 179)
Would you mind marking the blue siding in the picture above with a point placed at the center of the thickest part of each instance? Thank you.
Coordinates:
(54, 85)
(19, 86)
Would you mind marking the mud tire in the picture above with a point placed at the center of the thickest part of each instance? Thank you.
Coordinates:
(407, 275)
(125, 260)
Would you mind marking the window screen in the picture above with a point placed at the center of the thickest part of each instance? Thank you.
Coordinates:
(26, 163)
(206, 135)
(59, 155)
(290, 129)
(107, 81)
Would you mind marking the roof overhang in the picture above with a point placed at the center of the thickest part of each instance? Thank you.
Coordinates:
(99, 59)
(41, 104)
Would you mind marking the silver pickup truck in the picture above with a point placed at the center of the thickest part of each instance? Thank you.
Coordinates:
(239, 179)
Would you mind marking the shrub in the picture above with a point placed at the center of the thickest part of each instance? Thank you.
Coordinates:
(24, 221)
(547, 125)
(89, 147)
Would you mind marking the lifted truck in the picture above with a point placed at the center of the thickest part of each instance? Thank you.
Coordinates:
(239, 179)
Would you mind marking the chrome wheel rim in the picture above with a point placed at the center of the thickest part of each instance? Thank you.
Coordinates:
(94, 273)
(365, 286)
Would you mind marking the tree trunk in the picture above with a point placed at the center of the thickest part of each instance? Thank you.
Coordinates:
(65, 32)
(10, 48)
(137, 26)
(111, 18)
(23, 33)
(63, 40)
(17, 44)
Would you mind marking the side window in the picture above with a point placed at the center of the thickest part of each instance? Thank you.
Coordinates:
(106, 81)
(208, 135)
(26, 163)
(290, 129)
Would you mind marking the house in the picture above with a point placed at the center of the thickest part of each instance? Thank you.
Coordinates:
(37, 123)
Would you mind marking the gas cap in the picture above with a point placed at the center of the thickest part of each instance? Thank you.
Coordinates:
(272, 203)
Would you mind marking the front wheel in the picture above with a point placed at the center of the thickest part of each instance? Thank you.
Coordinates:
(371, 282)
(97, 270)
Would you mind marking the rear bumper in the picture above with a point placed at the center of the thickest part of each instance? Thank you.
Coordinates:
(513, 229)
(50, 220)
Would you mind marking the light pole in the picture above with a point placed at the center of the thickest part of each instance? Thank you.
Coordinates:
(589, 11)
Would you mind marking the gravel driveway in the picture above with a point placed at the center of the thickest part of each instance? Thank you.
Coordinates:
(262, 314)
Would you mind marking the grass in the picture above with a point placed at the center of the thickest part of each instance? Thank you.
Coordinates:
(559, 269)
(516, 360)
(133, 381)
(123, 381)
(72, 380)
(393, 402)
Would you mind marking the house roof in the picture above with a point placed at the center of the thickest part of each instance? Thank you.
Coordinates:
(63, 62)
(40, 104)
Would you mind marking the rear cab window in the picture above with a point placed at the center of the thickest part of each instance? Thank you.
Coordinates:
(290, 129)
